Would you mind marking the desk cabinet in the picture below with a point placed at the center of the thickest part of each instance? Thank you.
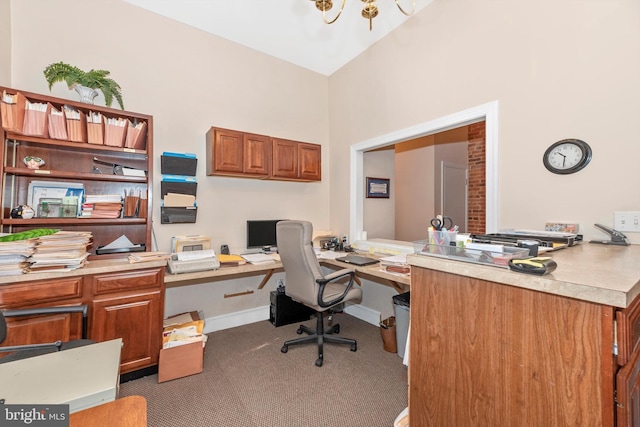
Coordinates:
(488, 354)
(127, 305)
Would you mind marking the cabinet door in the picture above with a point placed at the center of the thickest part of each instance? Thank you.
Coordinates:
(137, 319)
(309, 161)
(628, 393)
(256, 154)
(228, 151)
(43, 329)
(285, 158)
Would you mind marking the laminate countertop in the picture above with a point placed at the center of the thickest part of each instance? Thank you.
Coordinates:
(602, 274)
(92, 267)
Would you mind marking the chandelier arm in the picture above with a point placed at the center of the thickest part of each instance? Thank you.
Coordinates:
(324, 14)
(413, 8)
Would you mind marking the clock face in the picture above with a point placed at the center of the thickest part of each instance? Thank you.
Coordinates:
(567, 156)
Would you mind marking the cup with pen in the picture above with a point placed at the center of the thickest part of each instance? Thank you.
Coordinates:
(442, 235)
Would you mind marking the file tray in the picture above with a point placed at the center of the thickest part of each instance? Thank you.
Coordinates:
(178, 164)
(178, 187)
(138, 248)
(494, 255)
(177, 215)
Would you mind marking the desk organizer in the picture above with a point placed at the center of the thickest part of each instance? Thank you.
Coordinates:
(477, 256)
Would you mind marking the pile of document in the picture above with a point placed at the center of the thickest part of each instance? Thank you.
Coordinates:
(102, 206)
(14, 256)
(61, 251)
(183, 329)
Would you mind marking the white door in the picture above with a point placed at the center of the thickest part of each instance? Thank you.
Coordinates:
(453, 193)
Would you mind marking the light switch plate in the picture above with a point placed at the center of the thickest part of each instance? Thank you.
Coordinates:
(627, 221)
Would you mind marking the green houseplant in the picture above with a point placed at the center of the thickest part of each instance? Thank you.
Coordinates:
(86, 83)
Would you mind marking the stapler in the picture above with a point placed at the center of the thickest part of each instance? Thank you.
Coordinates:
(617, 238)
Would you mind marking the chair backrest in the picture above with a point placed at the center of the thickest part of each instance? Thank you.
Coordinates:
(301, 267)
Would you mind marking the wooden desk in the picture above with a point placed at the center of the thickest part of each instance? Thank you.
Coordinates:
(129, 411)
(399, 282)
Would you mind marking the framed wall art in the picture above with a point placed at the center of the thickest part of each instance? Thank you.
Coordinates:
(378, 188)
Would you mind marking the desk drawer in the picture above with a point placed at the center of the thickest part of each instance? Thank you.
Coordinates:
(39, 292)
(128, 281)
(628, 331)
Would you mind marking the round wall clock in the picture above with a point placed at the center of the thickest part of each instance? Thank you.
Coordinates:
(567, 156)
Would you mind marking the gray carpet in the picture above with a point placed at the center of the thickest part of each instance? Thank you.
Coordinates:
(248, 382)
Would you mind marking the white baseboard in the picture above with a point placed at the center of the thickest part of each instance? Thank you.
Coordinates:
(363, 313)
(258, 314)
(239, 318)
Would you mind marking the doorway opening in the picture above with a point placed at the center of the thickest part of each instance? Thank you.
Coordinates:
(486, 112)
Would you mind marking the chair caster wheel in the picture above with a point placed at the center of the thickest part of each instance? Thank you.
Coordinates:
(299, 331)
(284, 349)
(354, 347)
(319, 362)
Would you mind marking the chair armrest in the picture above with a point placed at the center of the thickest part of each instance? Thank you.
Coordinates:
(331, 278)
(56, 344)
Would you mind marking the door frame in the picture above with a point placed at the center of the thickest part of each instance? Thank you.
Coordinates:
(486, 112)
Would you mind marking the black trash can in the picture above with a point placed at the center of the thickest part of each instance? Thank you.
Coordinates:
(401, 304)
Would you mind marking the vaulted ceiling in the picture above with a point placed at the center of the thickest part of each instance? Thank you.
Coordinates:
(291, 30)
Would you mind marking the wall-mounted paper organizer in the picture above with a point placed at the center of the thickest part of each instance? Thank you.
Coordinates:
(178, 188)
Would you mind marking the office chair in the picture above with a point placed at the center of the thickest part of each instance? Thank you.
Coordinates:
(306, 283)
(30, 350)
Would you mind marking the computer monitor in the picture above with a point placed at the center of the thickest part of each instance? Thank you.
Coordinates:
(262, 234)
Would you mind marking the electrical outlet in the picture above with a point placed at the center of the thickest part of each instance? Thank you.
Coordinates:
(627, 221)
(280, 282)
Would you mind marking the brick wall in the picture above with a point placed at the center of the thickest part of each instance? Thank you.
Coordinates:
(477, 179)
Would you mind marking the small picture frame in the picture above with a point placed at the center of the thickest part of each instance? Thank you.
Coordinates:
(378, 188)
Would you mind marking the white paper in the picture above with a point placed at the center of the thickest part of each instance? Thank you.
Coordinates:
(120, 243)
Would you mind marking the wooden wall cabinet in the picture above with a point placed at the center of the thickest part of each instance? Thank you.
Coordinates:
(488, 354)
(127, 305)
(241, 154)
(74, 162)
(299, 161)
(234, 153)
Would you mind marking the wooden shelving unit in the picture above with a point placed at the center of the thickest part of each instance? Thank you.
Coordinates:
(74, 162)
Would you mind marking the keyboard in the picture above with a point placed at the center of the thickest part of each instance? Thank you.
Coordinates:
(191, 255)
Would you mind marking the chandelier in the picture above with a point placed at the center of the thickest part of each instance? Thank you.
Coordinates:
(369, 11)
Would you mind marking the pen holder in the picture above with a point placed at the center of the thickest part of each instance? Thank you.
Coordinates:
(442, 238)
(131, 206)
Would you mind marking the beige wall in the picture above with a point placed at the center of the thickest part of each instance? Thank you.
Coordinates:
(379, 214)
(5, 42)
(559, 69)
(188, 80)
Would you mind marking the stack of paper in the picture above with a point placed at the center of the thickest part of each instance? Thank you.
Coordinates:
(258, 258)
(14, 256)
(102, 206)
(183, 329)
(230, 260)
(61, 251)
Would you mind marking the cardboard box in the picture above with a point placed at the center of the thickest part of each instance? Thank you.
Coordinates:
(183, 360)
